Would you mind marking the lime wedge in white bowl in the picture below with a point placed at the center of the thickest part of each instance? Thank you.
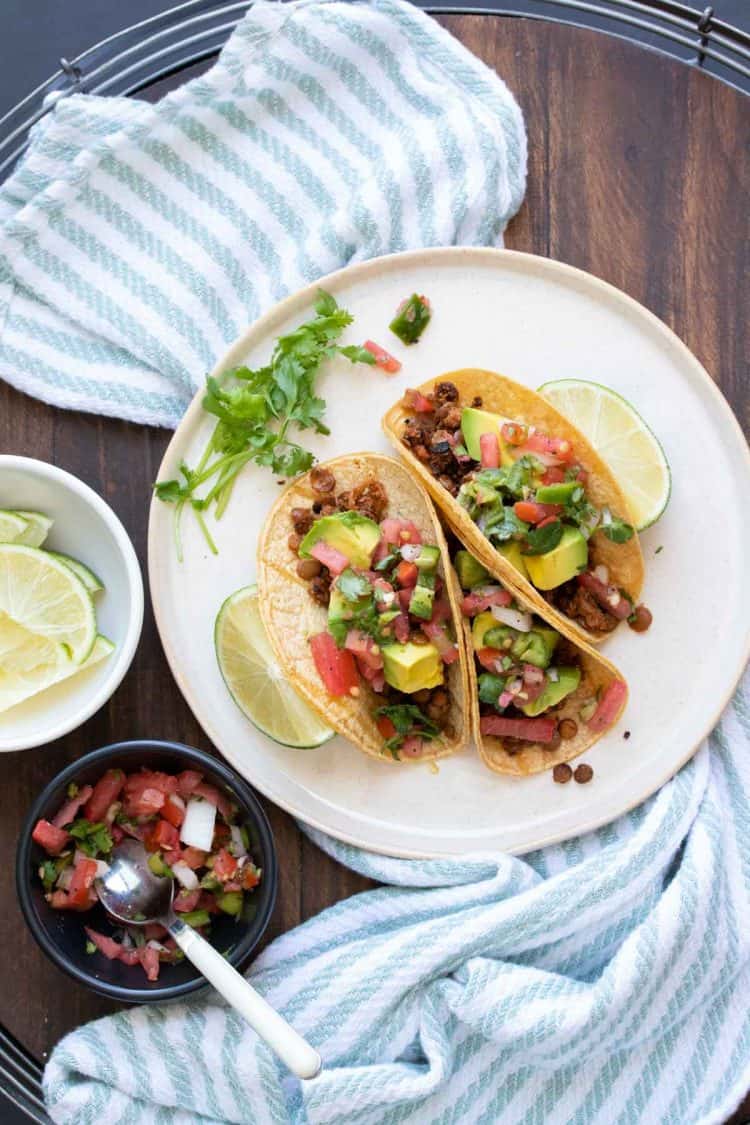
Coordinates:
(12, 526)
(622, 439)
(38, 527)
(18, 684)
(255, 681)
(44, 596)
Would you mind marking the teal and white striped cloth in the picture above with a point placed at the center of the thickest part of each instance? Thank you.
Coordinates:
(601, 982)
(137, 241)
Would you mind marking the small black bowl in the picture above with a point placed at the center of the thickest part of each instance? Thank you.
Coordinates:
(60, 932)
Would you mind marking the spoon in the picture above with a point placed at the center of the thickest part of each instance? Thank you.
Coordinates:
(130, 892)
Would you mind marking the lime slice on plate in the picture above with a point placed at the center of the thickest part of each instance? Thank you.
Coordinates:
(90, 580)
(47, 598)
(255, 681)
(12, 525)
(18, 684)
(622, 439)
(36, 531)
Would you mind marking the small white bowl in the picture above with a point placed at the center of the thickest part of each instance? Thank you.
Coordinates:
(86, 528)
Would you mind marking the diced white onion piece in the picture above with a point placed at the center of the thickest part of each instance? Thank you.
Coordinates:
(157, 945)
(238, 844)
(101, 869)
(614, 598)
(185, 875)
(602, 573)
(176, 800)
(111, 813)
(553, 675)
(411, 551)
(79, 856)
(63, 879)
(606, 517)
(515, 687)
(197, 829)
(513, 617)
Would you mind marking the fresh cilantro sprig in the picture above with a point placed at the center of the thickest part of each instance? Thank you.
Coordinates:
(255, 411)
(407, 718)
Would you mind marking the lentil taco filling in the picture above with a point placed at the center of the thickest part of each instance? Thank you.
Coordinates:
(530, 496)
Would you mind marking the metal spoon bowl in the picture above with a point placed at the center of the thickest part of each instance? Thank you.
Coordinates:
(133, 894)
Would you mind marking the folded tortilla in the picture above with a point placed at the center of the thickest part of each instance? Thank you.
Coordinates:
(521, 759)
(503, 396)
(291, 616)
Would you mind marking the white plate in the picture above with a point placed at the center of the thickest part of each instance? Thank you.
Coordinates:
(534, 320)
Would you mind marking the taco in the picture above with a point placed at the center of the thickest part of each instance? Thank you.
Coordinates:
(537, 698)
(353, 592)
(524, 490)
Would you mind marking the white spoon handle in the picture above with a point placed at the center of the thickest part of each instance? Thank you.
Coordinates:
(302, 1059)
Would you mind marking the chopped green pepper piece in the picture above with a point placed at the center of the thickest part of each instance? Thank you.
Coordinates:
(230, 902)
(411, 319)
(196, 917)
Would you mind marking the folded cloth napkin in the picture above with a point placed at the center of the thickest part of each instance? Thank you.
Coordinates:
(601, 982)
(137, 241)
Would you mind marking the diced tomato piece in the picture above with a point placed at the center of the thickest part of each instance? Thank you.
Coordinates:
(187, 781)
(80, 896)
(609, 597)
(129, 956)
(374, 676)
(441, 611)
(106, 791)
(412, 746)
(490, 659)
(610, 705)
(401, 627)
(472, 604)
(67, 813)
(396, 532)
(530, 730)
(225, 865)
(416, 401)
(172, 811)
(383, 359)
(186, 900)
(329, 556)
(250, 876)
(221, 835)
(49, 837)
(407, 574)
(385, 727)
(150, 779)
(193, 857)
(58, 900)
(215, 797)
(161, 835)
(531, 512)
(553, 475)
(447, 649)
(154, 931)
(149, 958)
(335, 666)
(513, 433)
(489, 446)
(106, 945)
(559, 448)
(364, 648)
(547, 520)
(582, 476)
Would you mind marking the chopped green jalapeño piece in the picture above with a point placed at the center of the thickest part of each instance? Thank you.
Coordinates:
(411, 319)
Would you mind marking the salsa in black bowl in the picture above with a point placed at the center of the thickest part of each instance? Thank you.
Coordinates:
(61, 932)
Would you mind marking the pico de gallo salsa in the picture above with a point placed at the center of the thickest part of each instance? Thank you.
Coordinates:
(531, 684)
(190, 830)
(389, 628)
(527, 493)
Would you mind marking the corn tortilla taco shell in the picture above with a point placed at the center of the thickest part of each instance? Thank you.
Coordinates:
(523, 759)
(291, 616)
(503, 396)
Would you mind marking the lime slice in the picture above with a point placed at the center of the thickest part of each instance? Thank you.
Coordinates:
(22, 651)
(12, 525)
(17, 685)
(90, 580)
(37, 530)
(254, 679)
(47, 598)
(622, 439)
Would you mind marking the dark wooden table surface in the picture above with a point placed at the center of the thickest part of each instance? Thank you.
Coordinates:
(638, 172)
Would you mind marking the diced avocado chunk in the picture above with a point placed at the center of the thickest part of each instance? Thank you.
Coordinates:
(230, 902)
(554, 691)
(562, 563)
(421, 603)
(355, 536)
(428, 558)
(410, 667)
(536, 647)
(490, 688)
(157, 864)
(512, 552)
(557, 493)
(502, 637)
(474, 423)
(469, 570)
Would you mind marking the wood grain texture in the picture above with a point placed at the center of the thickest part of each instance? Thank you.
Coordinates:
(638, 172)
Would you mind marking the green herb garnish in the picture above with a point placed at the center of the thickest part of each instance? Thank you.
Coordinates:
(540, 540)
(407, 718)
(352, 585)
(254, 412)
(91, 838)
(48, 873)
(618, 530)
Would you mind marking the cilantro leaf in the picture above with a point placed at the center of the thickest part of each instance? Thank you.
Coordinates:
(618, 530)
(91, 838)
(352, 585)
(540, 540)
(357, 354)
(407, 718)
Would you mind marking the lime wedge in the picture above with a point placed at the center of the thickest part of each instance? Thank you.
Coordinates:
(17, 684)
(47, 598)
(622, 439)
(254, 679)
(22, 651)
(12, 525)
(37, 530)
(90, 580)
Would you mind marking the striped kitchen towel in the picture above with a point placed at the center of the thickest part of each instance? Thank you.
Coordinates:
(138, 241)
(601, 982)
